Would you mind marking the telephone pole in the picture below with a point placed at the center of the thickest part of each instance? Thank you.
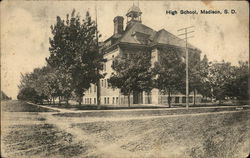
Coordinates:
(98, 88)
(186, 50)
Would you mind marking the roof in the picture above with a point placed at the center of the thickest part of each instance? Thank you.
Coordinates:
(135, 32)
(128, 37)
(165, 37)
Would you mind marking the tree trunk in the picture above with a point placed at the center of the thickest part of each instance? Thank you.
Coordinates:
(98, 94)
(53, 98)
(67, 101)
(128, 99)
(80, 100)
(169, 99)
(220, 102)
(149, 102)
(59, 98)
(194, 95)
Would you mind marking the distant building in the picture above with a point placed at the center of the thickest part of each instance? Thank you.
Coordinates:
(135, 37)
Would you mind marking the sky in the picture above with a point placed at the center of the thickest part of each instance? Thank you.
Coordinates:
(25, 29)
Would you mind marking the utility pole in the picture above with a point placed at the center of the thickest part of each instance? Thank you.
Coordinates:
(186, 50)
(98, 88)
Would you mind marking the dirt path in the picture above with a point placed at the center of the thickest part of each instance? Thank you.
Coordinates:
(104, 148)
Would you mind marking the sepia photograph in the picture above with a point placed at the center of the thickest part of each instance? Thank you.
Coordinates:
(125, 79)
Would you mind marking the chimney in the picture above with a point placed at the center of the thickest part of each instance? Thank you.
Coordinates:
(118, 25)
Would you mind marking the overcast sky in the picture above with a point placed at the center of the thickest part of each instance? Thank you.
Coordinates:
(25, 30)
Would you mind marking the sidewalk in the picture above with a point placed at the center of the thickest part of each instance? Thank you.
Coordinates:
(143, 108)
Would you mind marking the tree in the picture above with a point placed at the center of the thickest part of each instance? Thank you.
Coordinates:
(237, 86)
(205, 86)
(220, 74)
(29, 94)
(194, 72)
(169, 71)
(51, 84)
(74, 54)
(132, 73)
(30, 87)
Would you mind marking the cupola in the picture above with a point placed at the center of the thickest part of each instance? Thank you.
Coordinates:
(134, 14)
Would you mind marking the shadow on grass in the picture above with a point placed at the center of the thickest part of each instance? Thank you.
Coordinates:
(104, 107)
(124, 107)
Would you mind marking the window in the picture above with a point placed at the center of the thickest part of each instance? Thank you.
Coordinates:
(90, 91)
(105, 83)
(94, 100)
(108, 84)
(94, 88)
(113, 100)
(90, 100)
(102, 83)
(183, 99)
(177, 99)
(113, 59)
(108, 101)
(190, 99)
(116, 100)
(105, 100)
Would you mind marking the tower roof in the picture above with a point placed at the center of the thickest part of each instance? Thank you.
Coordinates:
(134, 10)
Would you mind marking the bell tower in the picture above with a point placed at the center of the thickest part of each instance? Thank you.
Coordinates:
(134, 14)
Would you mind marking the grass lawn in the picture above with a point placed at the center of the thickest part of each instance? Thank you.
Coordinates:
(26, 133)
(44, 134)
(21, 106)
(222, 135)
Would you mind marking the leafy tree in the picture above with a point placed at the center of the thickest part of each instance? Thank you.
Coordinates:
(74, 54)
(29, 94)
(194, 72)
(237, 86)
(132, 73)
(51, 84)
(30, 87)
(219, 76)
(205, 86)
(169, 71)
